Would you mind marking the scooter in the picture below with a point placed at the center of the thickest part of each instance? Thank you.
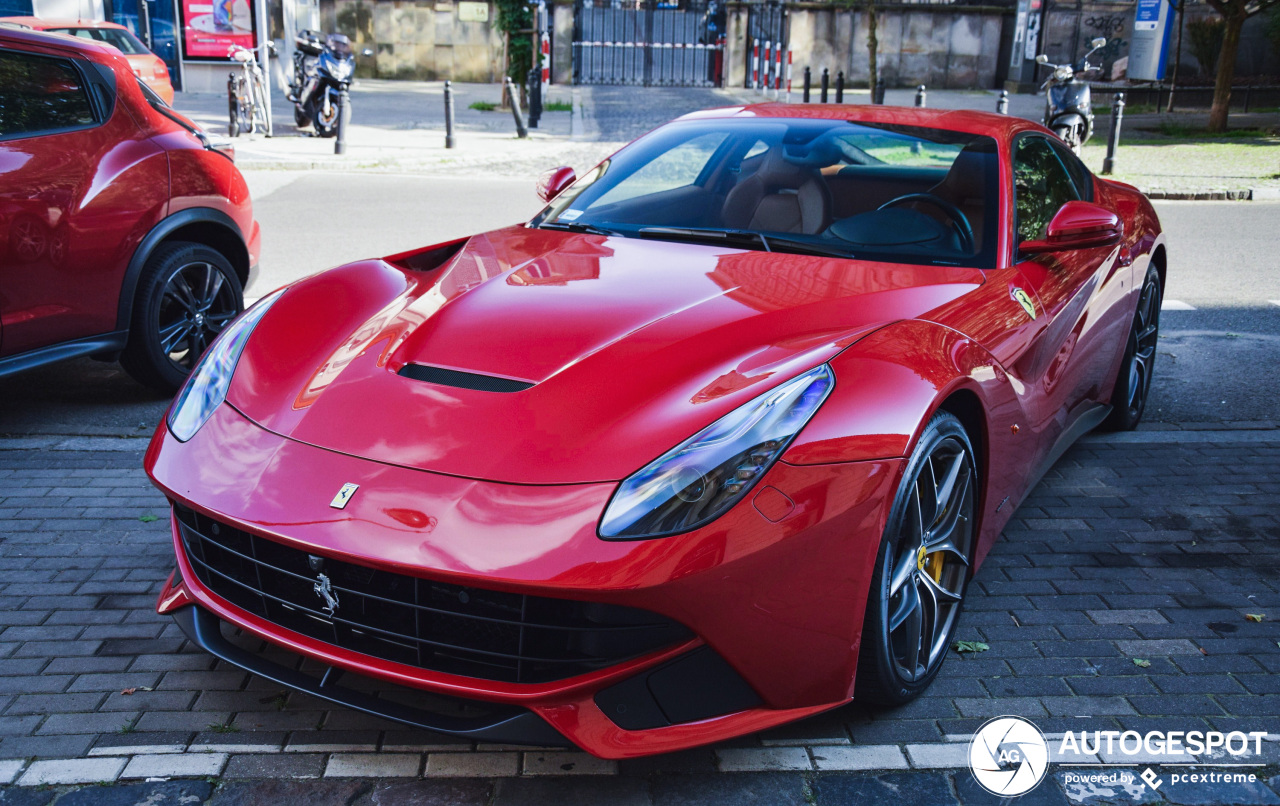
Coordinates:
(1068, 108)
(322, 68)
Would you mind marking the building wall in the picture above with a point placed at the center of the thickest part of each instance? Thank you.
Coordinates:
(418, 39)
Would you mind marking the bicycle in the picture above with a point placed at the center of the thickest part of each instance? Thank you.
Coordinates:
(246, 95)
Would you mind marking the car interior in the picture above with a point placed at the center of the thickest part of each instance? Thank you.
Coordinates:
(901, 194)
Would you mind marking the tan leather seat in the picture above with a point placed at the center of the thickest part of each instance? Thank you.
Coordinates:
(779, 197)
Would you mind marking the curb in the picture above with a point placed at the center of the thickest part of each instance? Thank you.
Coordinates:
(1247, 194)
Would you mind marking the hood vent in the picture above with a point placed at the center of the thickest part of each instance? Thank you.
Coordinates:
(462, 380)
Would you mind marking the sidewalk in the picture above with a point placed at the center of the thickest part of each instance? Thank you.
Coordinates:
(398, 126)
(1151, 546)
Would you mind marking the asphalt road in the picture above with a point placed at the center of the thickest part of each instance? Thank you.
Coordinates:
(1217, 363)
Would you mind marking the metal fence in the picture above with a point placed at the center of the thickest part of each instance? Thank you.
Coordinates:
(648, 43)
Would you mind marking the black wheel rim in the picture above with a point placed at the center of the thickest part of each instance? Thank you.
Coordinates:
(930, 561)
(196, 305)
(1146, 331)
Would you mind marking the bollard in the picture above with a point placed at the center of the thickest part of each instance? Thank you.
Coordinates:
(878, 95)
(344, 115)
(514, 93)
(840, 87)
(807, 79)
(826, 81)
(920, 95)
(1113, 137)
(1002, 105)
(534, 82)
(448, 114)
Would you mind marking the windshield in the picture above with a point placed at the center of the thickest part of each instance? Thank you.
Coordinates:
(121, 40)
(872, 191)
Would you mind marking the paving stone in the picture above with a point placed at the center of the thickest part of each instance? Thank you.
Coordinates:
(332, 741)
(925, 789)
(1127, 617)
(954, 755)
(972, 794)
(45, 746)
(1118, 788)
(19, 796)
(71, 771)
(567, 763)
(696, 761)
(472, 765)
(763, 759)
(274, 765)
(462, 792)
(373, 765)
(745, 789)
(254, 742)
(9, 769)
(115, 744)
(1214, 793)
(279, 792)
(1157, 648)
(153, 793)
(870, 757)
(175, 765)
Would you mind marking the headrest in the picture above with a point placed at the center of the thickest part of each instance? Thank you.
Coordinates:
(776, 171)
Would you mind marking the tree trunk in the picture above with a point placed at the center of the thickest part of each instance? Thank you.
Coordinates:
(873, 77)
(1226, 71)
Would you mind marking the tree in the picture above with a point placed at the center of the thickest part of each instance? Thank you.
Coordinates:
(873, 74)
(1234, 13)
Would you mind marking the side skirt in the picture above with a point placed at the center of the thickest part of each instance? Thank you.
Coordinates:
(106, 343)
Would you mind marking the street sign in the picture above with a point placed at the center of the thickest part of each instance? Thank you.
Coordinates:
(1149, 48)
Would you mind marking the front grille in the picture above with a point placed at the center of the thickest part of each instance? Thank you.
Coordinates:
(473, 632)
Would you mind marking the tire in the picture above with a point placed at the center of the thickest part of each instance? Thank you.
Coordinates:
(186, 295)
(898, 662)
(1133, 384)
(300, 118)
(315, 110)
(1067, 134)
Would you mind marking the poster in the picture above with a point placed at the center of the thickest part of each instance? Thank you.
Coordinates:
(211, 27)
(1148, 51)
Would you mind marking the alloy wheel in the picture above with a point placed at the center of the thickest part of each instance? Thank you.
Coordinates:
(196, 305)
(931, 561)
(1146, 331)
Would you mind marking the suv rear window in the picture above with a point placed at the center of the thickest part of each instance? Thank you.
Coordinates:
(40, 95)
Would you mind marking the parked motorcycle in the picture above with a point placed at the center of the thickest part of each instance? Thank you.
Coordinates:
(1068, 106)
(322, 67)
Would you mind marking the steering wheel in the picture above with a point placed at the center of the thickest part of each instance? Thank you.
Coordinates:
(960, 221)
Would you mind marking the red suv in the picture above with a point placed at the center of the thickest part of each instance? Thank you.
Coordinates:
(123, 231)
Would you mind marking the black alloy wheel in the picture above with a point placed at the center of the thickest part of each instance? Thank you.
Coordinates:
(922, 569)
(1133, 385)
(187, 294)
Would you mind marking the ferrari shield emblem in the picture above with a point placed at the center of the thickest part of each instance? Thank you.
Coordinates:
(1024, 299)
(344, 495)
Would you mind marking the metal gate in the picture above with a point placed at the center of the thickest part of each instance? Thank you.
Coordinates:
(766, 46)
(649, 43)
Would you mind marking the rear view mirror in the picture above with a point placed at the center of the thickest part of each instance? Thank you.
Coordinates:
(1099, 42)
(1077, 225)
(366, 52)
(554, 182)
(1042, 59)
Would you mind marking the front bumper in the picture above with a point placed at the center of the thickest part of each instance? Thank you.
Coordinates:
(776, 587)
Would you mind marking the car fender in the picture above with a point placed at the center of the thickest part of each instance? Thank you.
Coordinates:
(889, 385)
(204, 216)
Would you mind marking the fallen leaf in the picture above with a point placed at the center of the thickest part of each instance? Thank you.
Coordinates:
(128, 691)
(1203, 651)
(1254, 617)
(969, 646)
(148, 518)
(1141, 663)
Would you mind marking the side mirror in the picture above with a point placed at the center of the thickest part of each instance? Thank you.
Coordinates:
(554, 182)
(1077, 225)
(366, 52)
(1099, 42)
(1042, 59)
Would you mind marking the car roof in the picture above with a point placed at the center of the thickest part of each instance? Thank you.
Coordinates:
(961, 120)
(38, 24)
(87, 48)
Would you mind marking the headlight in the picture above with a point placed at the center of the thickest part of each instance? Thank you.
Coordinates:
(700, 479)
(207, 387)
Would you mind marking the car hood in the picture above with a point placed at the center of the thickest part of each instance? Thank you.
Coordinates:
(630, 347)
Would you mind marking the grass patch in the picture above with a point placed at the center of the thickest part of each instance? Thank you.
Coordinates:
(557, 106)
(1182, 131)
(217, 727)
(482, 106)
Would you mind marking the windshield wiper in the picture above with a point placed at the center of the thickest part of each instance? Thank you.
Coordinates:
(590, 229)
(737, 237)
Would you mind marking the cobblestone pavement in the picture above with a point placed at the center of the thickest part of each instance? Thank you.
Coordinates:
(1152, 546)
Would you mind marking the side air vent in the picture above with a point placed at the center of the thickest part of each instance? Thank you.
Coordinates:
(462, 380)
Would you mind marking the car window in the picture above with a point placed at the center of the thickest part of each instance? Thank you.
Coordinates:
(1042, 184)
(677, 168)
(122, 41)
(1079, 173)
(40, 95)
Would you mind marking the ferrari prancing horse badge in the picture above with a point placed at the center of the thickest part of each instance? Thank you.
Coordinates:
(344, 495)
(1024, 299)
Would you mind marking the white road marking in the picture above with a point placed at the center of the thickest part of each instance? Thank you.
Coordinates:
(1274, 301)
(1175, 305)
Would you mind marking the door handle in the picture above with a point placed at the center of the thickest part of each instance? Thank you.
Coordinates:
(1126, 256)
